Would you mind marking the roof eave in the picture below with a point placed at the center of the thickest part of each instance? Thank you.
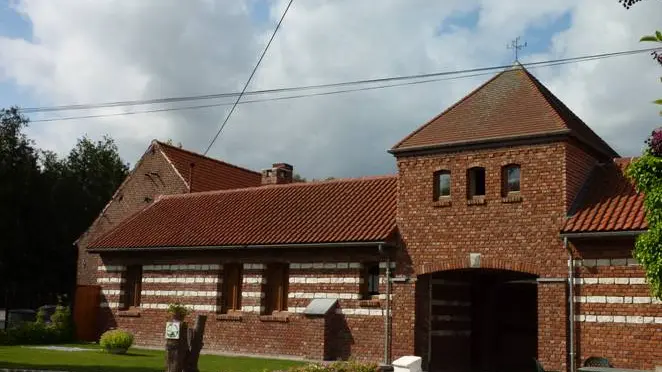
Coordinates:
(602, 234)
(483, 143)
(355, 244)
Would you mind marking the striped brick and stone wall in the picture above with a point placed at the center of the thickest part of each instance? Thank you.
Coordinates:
(353, 329)
(616, 317)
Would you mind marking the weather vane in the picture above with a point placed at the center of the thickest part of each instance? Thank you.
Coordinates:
(516, 47)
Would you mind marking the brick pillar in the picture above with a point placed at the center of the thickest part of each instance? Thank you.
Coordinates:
(403, 319)
(552, 324)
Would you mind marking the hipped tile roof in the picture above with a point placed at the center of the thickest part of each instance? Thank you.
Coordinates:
(208, 174)
(608, 202)
(351, 210)
(511, 105)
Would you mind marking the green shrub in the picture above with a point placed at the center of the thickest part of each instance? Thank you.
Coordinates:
(351, 366)
(178, 310)
(116, 339)
(63, 324)
(33, 333)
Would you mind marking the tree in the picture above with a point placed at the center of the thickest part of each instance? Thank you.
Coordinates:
(46, 203)
(646, 172)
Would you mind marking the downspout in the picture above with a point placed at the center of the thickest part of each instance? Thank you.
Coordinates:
(387, 312)
(571, 304)
(190, 177)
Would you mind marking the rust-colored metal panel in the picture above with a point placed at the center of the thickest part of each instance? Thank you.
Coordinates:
(86, 311)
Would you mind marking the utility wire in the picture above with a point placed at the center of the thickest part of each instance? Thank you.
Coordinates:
(193, 107)
(310, 87)
(227, 117)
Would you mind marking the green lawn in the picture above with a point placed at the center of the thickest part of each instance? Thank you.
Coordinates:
(138, 360)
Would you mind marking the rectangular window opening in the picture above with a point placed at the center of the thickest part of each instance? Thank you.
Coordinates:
(133, 286)
(442, 184)
(276, 288)
(370, 280)
(476, 182)
(231, 288)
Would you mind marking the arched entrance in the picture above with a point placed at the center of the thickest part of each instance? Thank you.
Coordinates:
(482, 320)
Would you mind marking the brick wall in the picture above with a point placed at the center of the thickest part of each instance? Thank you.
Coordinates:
(578, 167)
(354, 329)
(129, 198)
(520, 234)
(616, 317)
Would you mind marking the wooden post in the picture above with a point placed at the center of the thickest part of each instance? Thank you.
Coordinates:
(195, 344)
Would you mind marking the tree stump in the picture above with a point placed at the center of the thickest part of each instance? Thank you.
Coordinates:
(182, 355)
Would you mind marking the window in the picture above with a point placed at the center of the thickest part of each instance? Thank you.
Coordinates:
(442, 184)
(370, 280)
(231, 288)
(276, 288)
(132, 286)
(510, 179)
(476, 182)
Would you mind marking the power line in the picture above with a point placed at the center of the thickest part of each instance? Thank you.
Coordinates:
(533, 65)
(310, 87)
(227, 117)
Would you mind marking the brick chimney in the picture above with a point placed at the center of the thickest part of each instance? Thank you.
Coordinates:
(279, 173)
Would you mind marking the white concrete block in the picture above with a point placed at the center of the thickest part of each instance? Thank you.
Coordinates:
(641, 300)
(621, 281)
(330, 265)
(307, 265)
(589, 281)
(619, 261)
(596, 299)
(632, 262)
(605, 319)
(606, 280)
(590, 318)
(589, 262)
(619, 319)
(295, 266)
(649, 320)
(355, 265)
(637, 280)
(635, 319)
(603, 262)
(615, 300)
(343, 265)
(408, 364)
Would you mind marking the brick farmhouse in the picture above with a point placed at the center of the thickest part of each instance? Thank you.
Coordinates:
(464, 257)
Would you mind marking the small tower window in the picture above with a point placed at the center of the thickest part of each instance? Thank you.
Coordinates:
(510, 179)
(476, 182)
(442, 184)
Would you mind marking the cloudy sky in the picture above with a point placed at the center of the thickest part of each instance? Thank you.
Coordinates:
(91, 51)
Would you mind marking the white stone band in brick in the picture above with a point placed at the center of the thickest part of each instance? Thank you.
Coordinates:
(617, 300)
(333, 280)
(382, 265)
(340, 296)
(327, 265)
(252, 294)
(254, 280)
(296, 310)
(248, 266)
(622, 281)
(365, 312)
(252, 309)
(450, 333)
(112, 268)
(110, 305)
(214, 267)
(628, 319)
(111, 280)
(112, 292)
(607, 262)
(191, 307)
(188, 280)
(451, 303)
(179, 293)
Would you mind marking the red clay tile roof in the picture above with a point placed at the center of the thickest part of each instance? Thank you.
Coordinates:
(209, 174)
(352, 210)
(608, 202)
(511, 105)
